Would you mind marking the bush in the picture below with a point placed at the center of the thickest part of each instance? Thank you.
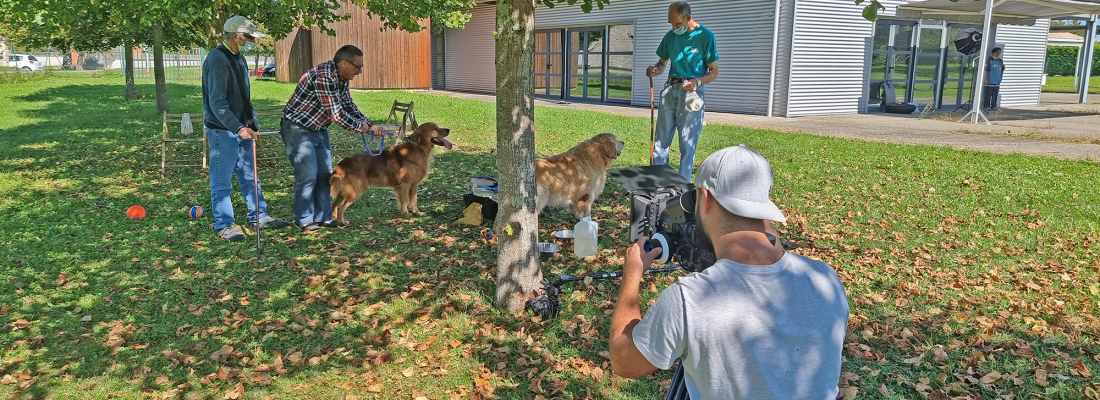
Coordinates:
(1062, 60)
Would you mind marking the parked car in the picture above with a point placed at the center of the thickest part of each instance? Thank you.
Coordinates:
(265, 71)
(25, 62)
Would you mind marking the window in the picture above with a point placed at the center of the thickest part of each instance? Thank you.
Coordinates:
(32, 58)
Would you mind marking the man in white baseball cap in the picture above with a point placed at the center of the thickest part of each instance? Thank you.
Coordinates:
(230, 130)
(761, 323)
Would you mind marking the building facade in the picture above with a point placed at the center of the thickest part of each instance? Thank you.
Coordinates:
(784, 58)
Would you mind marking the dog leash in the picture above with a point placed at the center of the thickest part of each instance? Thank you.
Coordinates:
(652, 133)
(381, 146)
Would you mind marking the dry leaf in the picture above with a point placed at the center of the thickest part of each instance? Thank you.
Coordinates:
(236, 393)
(1082, 369)
(939, 355)
(375, 388)
(162, 380)
(408, 372)
(991, 377)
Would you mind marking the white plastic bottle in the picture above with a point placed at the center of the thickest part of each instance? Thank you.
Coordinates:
(585, 237)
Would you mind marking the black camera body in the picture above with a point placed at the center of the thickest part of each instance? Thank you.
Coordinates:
(663, 208)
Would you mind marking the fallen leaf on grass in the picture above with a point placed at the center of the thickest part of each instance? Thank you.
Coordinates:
(236, 393)
(162, 380)
(849, 392)
(1082, 369)
(408, 372)
(375, 388)
(939, 355)
(222, 354)
(990, 378)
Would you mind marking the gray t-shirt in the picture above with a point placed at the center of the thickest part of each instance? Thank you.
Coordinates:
(751, 331)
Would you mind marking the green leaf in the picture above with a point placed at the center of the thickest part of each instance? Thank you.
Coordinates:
(858, 2)
(870, 12)
(586, 7)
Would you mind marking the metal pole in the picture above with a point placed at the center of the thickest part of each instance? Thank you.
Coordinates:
(975, 113)
(1088, 49)
(775, 51)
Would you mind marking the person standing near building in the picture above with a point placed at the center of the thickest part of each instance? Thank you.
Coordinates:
(690, 51)
(322, 98)
(994, 73)
(231, 128)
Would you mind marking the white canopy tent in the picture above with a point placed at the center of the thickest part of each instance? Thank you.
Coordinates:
(1013, 12)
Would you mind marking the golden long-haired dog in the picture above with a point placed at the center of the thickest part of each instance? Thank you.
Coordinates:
(574, 178)
(401, 167)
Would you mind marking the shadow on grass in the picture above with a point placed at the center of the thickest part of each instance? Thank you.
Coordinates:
(103, 296)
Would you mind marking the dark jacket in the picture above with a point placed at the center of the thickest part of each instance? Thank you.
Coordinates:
(226, 101)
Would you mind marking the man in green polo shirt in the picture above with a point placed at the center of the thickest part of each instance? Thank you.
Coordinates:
(690, 52)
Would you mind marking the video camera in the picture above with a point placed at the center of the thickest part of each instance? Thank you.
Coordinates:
(663, 208)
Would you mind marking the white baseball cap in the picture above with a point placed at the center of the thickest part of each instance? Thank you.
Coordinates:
(741, 180)
(239, 24)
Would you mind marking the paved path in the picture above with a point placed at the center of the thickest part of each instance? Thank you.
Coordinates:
(1057, 128)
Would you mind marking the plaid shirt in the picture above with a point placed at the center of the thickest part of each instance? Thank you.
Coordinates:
(322, 98)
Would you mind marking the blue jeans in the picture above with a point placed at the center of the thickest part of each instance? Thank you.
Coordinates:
(310, 154)
(230, 155)
(673, 115)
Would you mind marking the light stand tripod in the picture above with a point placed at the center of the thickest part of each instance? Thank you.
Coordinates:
(969, 104)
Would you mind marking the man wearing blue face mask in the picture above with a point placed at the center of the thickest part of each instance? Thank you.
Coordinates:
(230, 129)
(690, 52)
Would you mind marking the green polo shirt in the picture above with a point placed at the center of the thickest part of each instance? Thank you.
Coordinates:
(688, 54)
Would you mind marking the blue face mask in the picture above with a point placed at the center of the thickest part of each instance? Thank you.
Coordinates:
(680, 31)
(248, 46)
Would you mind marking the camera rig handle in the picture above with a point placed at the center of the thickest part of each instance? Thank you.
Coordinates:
(547, 305)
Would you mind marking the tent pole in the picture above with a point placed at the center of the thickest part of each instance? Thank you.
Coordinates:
(975, 113)
(1086, 50)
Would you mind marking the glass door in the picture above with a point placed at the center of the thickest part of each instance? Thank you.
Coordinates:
(958, 72)
(548, 62)
(931, 43)
(892, 62)
(620, 63)
(586, 58)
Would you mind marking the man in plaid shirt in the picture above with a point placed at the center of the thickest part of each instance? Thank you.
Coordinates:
(322, 98)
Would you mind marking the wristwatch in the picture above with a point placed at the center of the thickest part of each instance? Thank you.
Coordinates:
(697, 82)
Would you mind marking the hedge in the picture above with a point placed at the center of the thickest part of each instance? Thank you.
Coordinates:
(1061, 60)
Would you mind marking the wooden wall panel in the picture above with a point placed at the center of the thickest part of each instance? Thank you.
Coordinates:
(293, 55)
(393, 59)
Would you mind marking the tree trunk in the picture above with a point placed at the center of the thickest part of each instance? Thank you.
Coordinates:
(128, 48)
(518, 272)
(158, 67)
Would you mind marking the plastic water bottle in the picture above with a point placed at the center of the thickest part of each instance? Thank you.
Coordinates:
(584, 240)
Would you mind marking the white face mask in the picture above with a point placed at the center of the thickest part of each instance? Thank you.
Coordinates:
(248, 46)
(680, 31)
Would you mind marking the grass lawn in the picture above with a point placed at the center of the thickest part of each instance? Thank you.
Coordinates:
(1065, 84)
(969, 275)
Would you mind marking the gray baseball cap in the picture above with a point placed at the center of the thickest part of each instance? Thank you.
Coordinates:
(239, 24)
(741, 180)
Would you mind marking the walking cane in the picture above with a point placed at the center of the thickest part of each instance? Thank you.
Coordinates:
(652, 137)
(256, 188)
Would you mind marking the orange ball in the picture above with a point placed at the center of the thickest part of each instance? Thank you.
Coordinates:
(136, 212)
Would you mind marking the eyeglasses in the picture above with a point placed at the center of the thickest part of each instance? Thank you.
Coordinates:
(357, 67)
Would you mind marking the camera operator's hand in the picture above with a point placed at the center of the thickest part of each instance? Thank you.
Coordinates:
(637, 259)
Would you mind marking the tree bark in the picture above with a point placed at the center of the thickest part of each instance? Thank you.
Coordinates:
(519, 274)
(158, 68)
(128, 48)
